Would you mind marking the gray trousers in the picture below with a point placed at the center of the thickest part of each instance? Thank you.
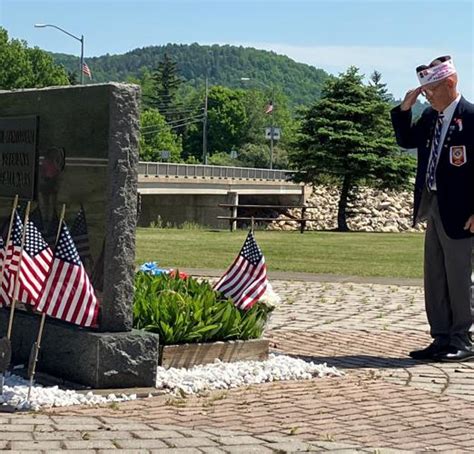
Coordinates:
(447, 277)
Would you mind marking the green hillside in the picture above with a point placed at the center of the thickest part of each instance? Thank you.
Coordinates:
(225, 65)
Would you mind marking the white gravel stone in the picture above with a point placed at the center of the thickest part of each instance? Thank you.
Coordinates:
(220, 375)
(15, 393)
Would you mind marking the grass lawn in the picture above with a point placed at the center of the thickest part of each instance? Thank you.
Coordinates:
(352, 254)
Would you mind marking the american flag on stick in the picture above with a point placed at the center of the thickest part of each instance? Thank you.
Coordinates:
(35, 266)
(246, 279)
(68, 293)
(12, 259)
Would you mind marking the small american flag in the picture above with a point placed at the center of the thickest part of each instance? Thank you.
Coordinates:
(80, 236)
(269, 108)
(12, 258)
(35, 266)
(86, 70)
(68, 293)
(246, 279)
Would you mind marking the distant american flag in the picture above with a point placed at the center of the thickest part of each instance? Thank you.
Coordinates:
(86, 70)
(35, 266)
(80, 236)
(68, 294)
(246, 280)
(269, 108)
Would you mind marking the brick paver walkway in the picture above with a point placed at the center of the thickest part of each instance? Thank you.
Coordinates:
(385, 403)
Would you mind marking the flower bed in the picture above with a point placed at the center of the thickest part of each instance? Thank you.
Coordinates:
(185, 310)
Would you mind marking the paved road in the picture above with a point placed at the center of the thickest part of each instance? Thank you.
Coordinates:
(385, 403)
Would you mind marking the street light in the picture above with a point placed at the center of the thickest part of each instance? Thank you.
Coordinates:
(272, 103)
(81, 40)
(204, 124)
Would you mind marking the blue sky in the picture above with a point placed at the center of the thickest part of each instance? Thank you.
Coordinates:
(390, 36)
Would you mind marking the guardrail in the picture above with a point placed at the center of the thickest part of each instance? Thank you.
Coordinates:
(163, 169)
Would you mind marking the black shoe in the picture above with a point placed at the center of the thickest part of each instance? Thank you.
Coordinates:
(457, 355)
(432, 352)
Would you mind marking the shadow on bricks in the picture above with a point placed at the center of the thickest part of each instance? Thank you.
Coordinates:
(361, 361)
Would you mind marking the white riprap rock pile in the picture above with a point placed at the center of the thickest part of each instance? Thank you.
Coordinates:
(15, 394)
(221, 375)
(373, 210)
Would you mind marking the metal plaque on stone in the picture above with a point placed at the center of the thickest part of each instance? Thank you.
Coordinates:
(18, 156)
(5, 354)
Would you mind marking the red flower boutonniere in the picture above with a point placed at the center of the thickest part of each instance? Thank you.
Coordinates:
(458, 122)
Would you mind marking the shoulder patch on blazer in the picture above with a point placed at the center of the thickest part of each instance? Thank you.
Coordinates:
(457, 155)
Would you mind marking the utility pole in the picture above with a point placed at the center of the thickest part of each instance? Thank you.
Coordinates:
(204, 125)
(82, 60)
(272, 127)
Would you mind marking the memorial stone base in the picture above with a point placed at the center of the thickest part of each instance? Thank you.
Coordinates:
(99, 360)
(88, 135)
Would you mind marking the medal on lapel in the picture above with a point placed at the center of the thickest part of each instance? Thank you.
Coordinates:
(458, 122)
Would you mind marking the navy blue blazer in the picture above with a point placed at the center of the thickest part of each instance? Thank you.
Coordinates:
(455, 170)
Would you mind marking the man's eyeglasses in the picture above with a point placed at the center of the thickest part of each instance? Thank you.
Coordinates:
(431, 88)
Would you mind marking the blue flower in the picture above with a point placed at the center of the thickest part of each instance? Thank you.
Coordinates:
(152, 268)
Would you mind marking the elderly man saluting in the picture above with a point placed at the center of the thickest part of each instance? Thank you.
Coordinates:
(444, 196)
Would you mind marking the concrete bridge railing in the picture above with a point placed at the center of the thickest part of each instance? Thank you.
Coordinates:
(163, 169)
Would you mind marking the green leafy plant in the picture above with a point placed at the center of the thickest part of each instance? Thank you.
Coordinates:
(188, 310)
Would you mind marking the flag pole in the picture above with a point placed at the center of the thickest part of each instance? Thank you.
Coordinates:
(6, 342)
(36, 345)
(252, 224)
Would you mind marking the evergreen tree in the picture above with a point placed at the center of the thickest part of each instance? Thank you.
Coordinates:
(347, 135)
(376, 82)
(166, 82)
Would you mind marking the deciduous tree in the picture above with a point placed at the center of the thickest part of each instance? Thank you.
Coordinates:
(156, 136)
(24, 67)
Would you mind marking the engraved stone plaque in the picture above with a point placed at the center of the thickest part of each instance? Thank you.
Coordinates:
(18, 157)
